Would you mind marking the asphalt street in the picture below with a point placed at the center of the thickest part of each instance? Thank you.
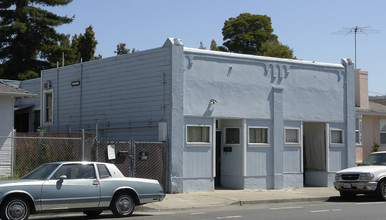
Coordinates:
(361, 208)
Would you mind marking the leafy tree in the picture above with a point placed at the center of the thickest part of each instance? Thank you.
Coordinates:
(252, 34)
(276, 49)
(28, 36)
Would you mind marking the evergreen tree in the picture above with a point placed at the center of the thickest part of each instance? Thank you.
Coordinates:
(213, 46)
(81, 47)
(121, 49)
(202, 46)
(87, 45)
(63, 50)
(28, 36)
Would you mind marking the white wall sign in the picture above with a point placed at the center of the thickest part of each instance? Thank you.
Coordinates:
(111, 152)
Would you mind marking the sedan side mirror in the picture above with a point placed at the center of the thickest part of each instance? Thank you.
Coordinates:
(62, 177)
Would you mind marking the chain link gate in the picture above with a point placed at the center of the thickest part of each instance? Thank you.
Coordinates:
(138, 159)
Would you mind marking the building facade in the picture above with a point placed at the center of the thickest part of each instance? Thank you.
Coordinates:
(231, 120)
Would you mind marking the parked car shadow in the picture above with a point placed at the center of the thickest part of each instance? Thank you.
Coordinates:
(356, 199)
(78, 216)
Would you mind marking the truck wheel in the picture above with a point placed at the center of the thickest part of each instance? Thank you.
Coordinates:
(347, 195)
(381, 190)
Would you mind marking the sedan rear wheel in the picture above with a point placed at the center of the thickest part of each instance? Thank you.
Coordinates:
(123, 205)
(15, 209)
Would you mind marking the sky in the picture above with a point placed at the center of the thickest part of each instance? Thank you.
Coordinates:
(316, 30)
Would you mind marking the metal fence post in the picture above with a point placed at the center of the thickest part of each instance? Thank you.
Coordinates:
(13, 154)
(97, 141)
(133, 157)
(166, 165)
(83, 144)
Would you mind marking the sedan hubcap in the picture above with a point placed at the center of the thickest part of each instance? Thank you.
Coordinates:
(124, 205)
(16, 210)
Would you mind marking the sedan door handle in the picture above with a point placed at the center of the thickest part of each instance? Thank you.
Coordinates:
(96, 182)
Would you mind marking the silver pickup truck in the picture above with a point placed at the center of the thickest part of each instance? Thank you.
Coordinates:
(369, 177)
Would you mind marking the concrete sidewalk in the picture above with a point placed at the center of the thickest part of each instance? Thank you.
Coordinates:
(226, 197)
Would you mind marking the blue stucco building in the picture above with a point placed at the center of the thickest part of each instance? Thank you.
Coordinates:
(232, 120)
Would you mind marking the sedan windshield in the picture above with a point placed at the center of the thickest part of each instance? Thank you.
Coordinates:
(42, 172)
(375, 159)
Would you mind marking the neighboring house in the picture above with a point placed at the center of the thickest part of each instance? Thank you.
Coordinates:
(8, 95)
(239, 121)
(379, 99)
(27, 111)
(370, 118)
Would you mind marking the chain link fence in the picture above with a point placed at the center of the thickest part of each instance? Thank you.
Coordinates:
(138, 159)
(22, 152)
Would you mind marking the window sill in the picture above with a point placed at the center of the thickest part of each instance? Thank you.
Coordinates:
(259, 145)
(198, 144)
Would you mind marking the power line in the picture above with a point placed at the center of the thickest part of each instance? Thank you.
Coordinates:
(356, 30)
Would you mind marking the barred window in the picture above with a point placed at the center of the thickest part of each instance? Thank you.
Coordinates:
(232, 135)
(292, 136)
(336, 137)
(198, 134)
(258, 135)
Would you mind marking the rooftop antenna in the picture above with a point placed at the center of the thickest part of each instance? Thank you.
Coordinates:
(356, 30)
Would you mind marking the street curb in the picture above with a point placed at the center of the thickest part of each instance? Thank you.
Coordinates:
(255, 202)
(144, 208)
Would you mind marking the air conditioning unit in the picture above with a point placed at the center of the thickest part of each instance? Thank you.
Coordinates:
(47, 85)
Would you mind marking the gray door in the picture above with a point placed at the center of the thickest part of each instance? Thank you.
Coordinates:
(79, 188)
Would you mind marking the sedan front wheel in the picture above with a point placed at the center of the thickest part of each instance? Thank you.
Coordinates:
(123, 205)
(15, 209)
